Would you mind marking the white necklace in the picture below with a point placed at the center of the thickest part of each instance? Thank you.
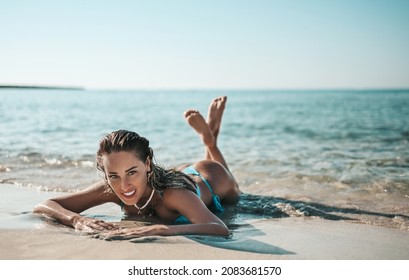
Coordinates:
(146, 204)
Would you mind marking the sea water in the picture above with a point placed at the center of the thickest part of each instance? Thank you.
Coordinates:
(336, 154)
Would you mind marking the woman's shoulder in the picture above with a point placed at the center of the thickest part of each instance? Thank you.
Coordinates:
(177, 200)
(170, 192)
(171, 195)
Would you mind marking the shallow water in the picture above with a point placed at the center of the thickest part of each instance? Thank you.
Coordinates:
(328, 154)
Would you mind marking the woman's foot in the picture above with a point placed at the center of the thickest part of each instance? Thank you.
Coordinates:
(215, 114)
(196, 120)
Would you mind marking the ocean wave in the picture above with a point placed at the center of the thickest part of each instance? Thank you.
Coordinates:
(39, 160)
(396, 162)
(38, 187)
(4, 168)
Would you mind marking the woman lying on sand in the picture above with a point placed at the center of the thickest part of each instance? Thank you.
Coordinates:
(140, 187)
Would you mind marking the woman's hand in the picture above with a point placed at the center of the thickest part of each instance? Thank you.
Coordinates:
(165, 230)
(90, 225)
(134, 232)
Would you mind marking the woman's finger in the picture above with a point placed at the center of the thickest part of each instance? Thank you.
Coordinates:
(107, 226)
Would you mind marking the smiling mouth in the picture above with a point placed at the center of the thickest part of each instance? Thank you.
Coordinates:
(128, 194)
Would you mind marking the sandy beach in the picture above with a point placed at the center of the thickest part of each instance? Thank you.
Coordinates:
(25, 236)
(282, 240)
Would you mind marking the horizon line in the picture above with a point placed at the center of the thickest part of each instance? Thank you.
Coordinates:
(63, 87)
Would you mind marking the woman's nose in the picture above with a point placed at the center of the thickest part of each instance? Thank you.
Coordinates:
(125, 184)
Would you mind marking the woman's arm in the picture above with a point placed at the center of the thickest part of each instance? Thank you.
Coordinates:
(188, 204)
(66, 209)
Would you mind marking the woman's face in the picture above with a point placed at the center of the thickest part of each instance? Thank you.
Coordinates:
(127, 175)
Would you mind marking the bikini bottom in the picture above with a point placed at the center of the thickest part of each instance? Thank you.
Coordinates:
(216, 206)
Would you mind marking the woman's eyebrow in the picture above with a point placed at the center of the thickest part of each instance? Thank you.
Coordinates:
(114, 173)
(133, 167)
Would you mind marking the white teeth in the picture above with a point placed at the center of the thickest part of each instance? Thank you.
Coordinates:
(129, 193)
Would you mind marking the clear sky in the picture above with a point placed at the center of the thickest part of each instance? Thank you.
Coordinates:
(206, 44)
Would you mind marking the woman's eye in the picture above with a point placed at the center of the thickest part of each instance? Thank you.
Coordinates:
(130, 173)
(113, 177)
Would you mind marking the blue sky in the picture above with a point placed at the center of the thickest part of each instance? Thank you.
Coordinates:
(208, 44)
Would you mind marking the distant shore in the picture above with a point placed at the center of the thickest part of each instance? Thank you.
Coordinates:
(39, 87)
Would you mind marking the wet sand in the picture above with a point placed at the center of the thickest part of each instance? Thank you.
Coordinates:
(24, 236)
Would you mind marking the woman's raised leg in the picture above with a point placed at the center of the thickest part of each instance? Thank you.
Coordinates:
(209, 131)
